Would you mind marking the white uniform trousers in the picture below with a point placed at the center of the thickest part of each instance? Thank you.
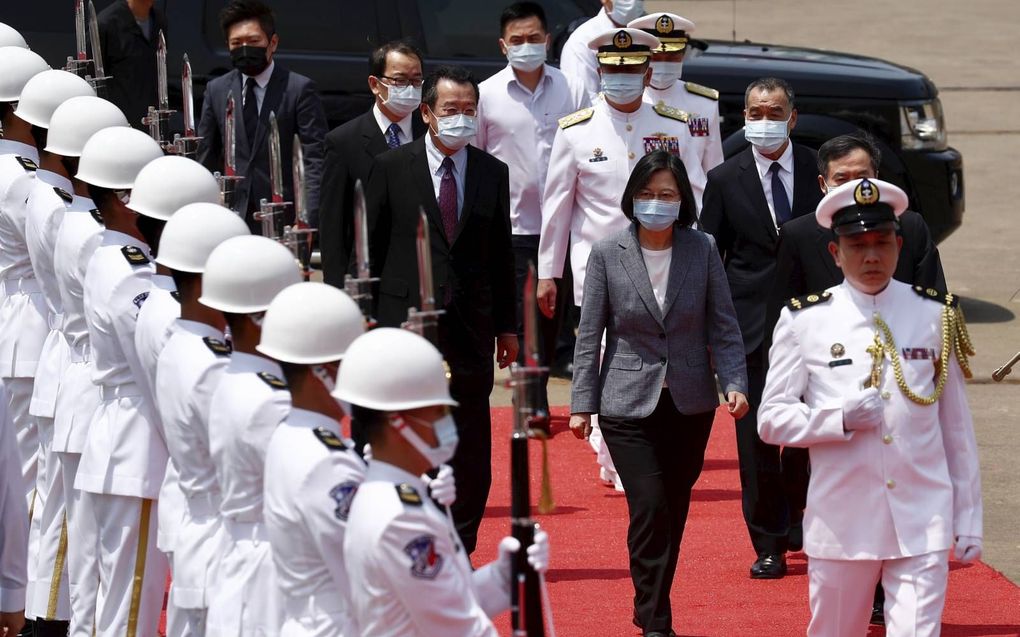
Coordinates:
(19, 392)
(199, 545)
(842, 592)
(82, 558)
(132, 571)
(50, 593)
(247, 598)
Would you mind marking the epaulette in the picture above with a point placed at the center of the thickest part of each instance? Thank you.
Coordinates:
(216, 346)
(932, 294)
(272, 381)
(134, 255)
(703, 91)
(27, 164)
(408, 494)
(330, 439)
(801, 302)
(63, 194)
(97, 216)
(576, 118)
(671, 112)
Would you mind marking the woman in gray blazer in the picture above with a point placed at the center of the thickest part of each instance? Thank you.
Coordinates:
(659, 293)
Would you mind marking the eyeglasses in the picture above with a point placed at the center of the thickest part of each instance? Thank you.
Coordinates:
(401, 82)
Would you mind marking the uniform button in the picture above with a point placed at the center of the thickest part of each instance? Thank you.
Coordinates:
(887, 439)
(886, 395)
(630, 155)
(891, 484)
(662, 361)
(629, 128)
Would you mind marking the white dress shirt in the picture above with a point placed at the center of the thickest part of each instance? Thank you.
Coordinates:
(517, 126)
(405, 135)
(764, 164)
(261, 81)
(435, 159)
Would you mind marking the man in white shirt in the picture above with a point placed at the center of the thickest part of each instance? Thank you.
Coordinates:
(517, 114)
(576, 60)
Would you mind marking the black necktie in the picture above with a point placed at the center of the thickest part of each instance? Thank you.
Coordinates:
(251, 110)
(780, 202)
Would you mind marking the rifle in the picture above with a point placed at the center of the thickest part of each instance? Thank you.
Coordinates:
(528, 595)
(359, 287)
(158, 117)
(298, 237)
(272, 213)
(229, 178)
(424, 321)
(187, 145)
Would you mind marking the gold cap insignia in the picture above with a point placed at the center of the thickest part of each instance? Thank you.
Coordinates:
(622, 40)
(866, 193)
(837, 350)
(664, 24)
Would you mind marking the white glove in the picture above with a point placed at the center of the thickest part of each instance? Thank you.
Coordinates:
(538, 553)
(967, 549)
(863, 410)
(507, 549)
(442, 488)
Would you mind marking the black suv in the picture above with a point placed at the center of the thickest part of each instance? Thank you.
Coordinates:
(329, 40)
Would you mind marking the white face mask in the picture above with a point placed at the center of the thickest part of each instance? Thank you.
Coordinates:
(402, 100)
(666, 74)
(456, 131)
(766, 135)
(626, 10)
(656, 214)
(526, 57)
(446, 433)
(623, 88)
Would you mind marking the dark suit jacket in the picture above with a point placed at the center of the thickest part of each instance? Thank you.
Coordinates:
(735, 212)
(477, 267)
(351, 150)
(130, 61)
(804, 265)
(298, 110)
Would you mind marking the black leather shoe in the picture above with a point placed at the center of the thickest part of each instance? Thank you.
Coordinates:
(768, 566)
(877, 615)
(659, 633)
(795, 538)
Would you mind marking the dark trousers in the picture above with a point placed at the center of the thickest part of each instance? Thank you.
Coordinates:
(525, 247)
(658, 458)
(772, 482)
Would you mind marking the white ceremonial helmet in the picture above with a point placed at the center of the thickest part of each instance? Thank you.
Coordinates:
(310, 324)
(193, 232)
(9, 36)
(17, 67)
(389, 369)
(244, 274)
(167, 184)
(76, 120)
(45, 92)
(113, 157)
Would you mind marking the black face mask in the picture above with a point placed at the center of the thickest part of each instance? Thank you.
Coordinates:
(250, 60)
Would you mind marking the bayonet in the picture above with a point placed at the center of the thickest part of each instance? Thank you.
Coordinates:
(272, 213)
(228, 180)
(97, 53)
(161, 84)
(424, 321)
(79, 30)
(359, 287)
(158, 117)
(187, 145)
(299, 236)
(275, 160)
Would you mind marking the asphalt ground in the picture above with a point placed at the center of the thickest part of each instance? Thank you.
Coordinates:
(967, 49)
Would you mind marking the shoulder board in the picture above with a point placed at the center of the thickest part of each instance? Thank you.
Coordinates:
(703, 91)
(671, 112)
(134, 255)
(272, 381)
(27, 164)
(576, 118)
(330, 439)
(216, 346)
(176, 295)
(801, 302)
(408, 494)
(63, 194)
(934, 295)
(96, 215)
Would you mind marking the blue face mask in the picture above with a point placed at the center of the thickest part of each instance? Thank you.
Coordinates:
(623, 88)
(655, 214)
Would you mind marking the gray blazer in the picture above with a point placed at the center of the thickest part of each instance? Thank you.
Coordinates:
(695, 334)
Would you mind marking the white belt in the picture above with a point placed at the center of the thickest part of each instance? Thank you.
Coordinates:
(55, 321)
(24, 285)
(113, 392)
(241, 531)
(81, 353)
(312, 605)
(204, 505)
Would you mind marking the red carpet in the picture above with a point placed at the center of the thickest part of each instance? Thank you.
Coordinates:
(712, 596)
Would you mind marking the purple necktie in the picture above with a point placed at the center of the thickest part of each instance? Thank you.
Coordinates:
(448, 199)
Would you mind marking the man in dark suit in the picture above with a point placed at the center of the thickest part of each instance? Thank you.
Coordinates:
(351, 148)
(466, 196)
(128, 36)
(747, 198)
(261, 87)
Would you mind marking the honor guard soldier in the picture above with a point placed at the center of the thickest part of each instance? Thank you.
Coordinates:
(412, 575)
(869, 376)
(77, 398)
(242, 277)
(699, 102)
(124, 458)
(188, 370)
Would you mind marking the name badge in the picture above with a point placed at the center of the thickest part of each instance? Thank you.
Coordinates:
(840, 362)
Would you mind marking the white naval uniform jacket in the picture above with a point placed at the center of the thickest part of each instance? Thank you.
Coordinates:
(125, 453)
(411, 577)
(589, 166)
(903, 490)
(703, 125)
(306, 510)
